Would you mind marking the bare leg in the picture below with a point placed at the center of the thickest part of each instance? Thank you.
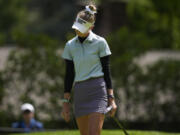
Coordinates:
(82, 123)
(95, 125)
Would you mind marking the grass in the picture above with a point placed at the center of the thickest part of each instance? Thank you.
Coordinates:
(104, 132)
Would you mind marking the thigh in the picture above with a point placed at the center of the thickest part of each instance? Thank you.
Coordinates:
(95, 125)
(82, 123)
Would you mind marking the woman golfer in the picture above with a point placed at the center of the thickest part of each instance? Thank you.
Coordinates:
(87, 64)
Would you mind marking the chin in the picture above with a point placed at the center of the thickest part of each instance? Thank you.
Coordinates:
(81, 34)
(78, 33)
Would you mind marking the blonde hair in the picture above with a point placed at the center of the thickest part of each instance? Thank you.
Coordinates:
(86, 15)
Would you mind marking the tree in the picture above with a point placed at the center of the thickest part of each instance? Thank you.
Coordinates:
(12, 16)
(159, 20)
(53, 18)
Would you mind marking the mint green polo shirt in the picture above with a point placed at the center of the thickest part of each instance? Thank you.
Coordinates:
(86, 56)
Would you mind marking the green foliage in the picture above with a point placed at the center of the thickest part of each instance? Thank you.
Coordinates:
(159, 20)
(37, 66)
(156, 92)
(1, 87)
(125, 45)
(2, 39)
(150, 95)
(53, 18)
(35, 70)
(162, 89)
(12, 15)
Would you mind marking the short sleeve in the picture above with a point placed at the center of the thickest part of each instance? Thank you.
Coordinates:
(39, 125)
(66, 53)
(104, 48)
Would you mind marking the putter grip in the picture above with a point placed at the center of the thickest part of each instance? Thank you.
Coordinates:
(109, 108)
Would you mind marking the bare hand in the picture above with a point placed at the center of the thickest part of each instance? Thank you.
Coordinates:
(66, 112)
(114, 107)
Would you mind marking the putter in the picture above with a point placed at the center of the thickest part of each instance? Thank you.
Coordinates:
(108, 109)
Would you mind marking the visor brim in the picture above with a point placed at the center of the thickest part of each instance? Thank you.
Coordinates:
(79, 27)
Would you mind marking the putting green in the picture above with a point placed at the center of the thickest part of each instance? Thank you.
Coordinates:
(104, 132)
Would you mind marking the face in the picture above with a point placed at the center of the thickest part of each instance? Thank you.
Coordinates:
(27, 116)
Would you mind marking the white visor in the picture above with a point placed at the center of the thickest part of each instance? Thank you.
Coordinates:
(81, 25)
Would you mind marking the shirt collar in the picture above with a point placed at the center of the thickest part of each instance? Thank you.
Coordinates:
(89, 38)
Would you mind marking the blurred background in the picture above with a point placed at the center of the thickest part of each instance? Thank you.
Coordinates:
(144, 37)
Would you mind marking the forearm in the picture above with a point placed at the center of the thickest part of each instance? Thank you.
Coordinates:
(105, 62)
(69, 78)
